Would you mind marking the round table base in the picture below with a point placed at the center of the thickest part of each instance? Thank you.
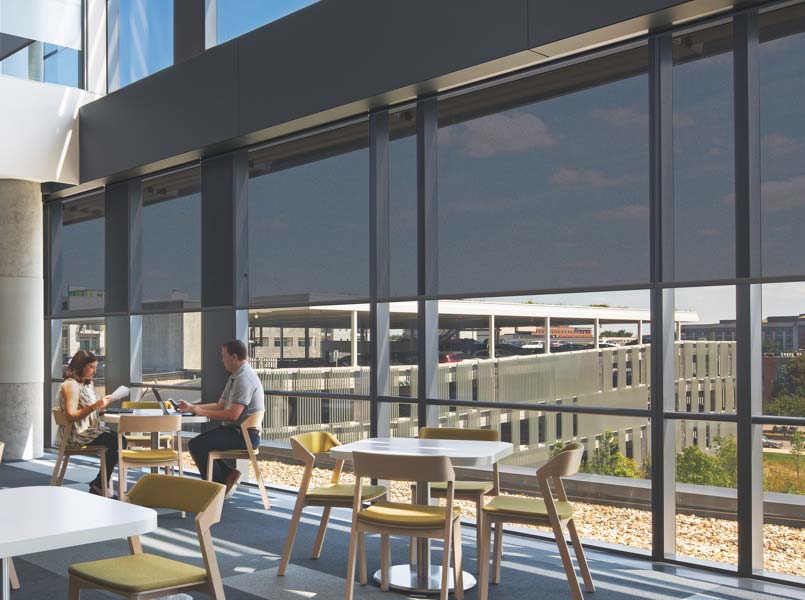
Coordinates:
(403, 578)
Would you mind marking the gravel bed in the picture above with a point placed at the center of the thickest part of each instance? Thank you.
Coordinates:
(697, 537)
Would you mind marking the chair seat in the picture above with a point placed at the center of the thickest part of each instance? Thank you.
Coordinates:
(464, 487)
(149, 455)
(139, 573)
(405, 515)
(344, 491)
(234, 453)
(146, 439)
(526, 507)
(84, 449)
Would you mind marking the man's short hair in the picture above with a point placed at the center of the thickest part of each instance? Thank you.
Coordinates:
(236, 348)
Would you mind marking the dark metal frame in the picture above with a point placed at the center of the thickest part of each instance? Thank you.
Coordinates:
(226, 175)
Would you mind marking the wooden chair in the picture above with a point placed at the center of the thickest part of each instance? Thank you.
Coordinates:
(142, 440)
(473, 491)
(161, 457)
(558, 514)
(254, 421)
(142, 576)
(305, 448)
(65, 452)
(397, 518)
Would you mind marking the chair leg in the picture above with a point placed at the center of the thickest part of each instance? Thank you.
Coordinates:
(102, 458)
(291, 537)
(63, 470)
(75, 589)
(589, 586)
(498, 555)
(483, 558)
(12, 575)
(362, 575)
(262, 487)
(122, 484)
(210, 461)
(351, 556)
(446, 563)
(385, 562)
(412, 552)
(56, 470)
(458, 574)
(567, 562)
(325, 518)
(479, 513)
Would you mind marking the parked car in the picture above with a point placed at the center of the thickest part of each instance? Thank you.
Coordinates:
(768, 443)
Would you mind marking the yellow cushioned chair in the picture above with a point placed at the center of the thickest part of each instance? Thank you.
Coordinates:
(138, 439)
(254, 421)
(397, 518)
(472, 491)
(141, 576)
(162, 457)
(558, 514)
(65, 452)
(305, 448)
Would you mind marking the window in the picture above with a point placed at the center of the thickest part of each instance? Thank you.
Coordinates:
(140, 39)
(236, 17)
(82, 256)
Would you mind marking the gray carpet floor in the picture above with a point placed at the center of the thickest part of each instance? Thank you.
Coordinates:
(249, 542)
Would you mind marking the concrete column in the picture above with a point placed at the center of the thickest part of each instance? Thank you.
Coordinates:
(21, 324)
(490, 344)
(353, 339)
(547, 335)
(596, 333)
(640, 332)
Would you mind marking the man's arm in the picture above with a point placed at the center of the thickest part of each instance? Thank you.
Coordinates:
(218, 413)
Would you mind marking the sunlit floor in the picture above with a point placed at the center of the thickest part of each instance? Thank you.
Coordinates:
(249, 542)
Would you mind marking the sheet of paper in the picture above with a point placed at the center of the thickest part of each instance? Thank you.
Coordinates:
(120, 393)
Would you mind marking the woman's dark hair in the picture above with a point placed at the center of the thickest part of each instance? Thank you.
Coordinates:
(236, 348)
(76, 367)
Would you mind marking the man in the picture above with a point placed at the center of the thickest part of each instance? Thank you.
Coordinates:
(242, 396)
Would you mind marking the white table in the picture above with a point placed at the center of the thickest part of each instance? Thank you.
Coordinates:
(114, 418)
(35, 519)
(462, 453)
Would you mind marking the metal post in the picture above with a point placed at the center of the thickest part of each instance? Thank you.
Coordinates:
(748, 334)
(546, 335)
(490, 344)
(661, 166)
(596, 333)
(353, 339)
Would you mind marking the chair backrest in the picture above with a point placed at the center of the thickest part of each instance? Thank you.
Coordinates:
(564, 464)
(400, 467)
(310, 444)
(179, 493)
(459, 433)
(253, 421)
(158, 424)
(60, 417)
(141, 404)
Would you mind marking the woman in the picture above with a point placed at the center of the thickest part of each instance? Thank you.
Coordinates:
(78, 400)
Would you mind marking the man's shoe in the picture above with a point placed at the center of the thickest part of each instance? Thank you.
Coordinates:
(232, 480)
(96, 489)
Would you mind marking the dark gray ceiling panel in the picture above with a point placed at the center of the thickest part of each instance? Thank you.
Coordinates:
(334, 53)
(179, 109)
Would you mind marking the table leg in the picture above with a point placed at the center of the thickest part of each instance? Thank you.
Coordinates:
(422, 544)
(6, 582)
(155, 446)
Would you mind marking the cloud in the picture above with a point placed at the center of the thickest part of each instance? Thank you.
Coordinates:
(778, 195)
(620, 116)
(591, 177)
(507, 132)
(779, 144)
(627, 212)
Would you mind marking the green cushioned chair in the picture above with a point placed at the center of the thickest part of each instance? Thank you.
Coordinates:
(305, 448)
(557, 514)
(140, 439)
(471, 491)
(142, 576)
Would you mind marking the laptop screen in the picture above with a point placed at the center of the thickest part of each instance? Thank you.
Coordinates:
(165, 410)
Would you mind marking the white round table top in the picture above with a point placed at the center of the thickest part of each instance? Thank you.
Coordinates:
(39, 518)
(150, 412)
(462, 453)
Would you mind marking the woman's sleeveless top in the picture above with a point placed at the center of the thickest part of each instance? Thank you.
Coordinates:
(87, 429)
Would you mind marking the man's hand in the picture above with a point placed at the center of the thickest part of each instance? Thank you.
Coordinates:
(186, 407)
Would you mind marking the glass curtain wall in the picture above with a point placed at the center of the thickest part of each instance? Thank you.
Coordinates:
(520, 296)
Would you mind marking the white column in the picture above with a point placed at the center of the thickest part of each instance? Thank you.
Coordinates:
(596, 333)
(547, 335)
(640, 332)
(22, 336)
(210, 23)
(490, 344)
(95, 51)
(353, 339)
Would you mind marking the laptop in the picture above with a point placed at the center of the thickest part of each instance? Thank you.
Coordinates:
(164, 405)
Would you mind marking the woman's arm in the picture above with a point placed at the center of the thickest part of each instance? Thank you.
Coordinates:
(71, 408)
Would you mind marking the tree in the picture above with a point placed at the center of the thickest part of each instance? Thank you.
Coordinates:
(619, 333)
(607, 459)
(694, 466)
(786, 405)
(797, 447)
(790, 379)
(727, 455)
